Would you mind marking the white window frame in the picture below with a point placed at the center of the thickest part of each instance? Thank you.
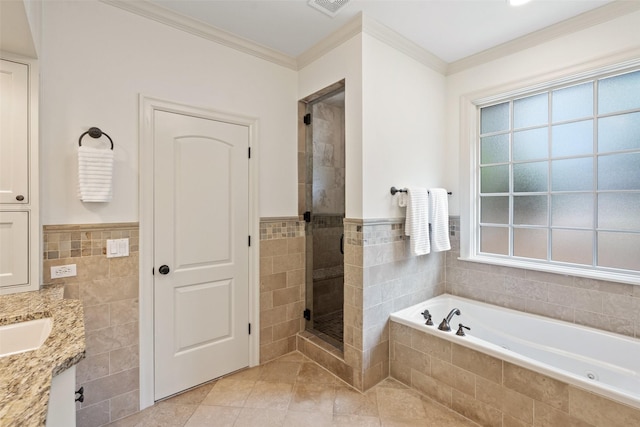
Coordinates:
(469, 173)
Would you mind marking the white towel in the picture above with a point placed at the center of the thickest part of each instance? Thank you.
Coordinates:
(417, 222)
(95, 174)
(439, 219)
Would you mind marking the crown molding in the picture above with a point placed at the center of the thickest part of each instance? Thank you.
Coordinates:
(402, 44)
(335, 39)
(160, 14)
(364, 24)
(583, 21)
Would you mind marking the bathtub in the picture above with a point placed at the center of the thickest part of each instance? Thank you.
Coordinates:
(600, 362)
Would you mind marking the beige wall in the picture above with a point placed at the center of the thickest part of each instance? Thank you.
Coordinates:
(108, 289)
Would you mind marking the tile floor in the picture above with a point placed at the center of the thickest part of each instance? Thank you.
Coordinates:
(293, 391)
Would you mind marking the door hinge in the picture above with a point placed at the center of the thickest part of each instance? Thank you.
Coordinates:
(307, 119)
(249, 240)
(249, 152)
(153, 271)
(306, 216)
(249, 328)
(306, 314)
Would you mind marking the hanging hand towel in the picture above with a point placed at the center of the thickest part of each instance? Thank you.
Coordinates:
(417, 222)
(439, 218)
(95, 174)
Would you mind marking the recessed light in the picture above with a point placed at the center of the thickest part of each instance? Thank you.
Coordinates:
(517, 2)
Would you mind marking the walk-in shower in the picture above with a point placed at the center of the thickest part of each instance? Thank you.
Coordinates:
(324, 213)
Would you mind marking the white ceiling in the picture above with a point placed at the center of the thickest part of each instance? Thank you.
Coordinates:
(449, 29)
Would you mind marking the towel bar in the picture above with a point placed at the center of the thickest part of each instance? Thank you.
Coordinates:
(395, 190)
(94, 133)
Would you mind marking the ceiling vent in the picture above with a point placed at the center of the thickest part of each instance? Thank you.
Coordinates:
(329, 7)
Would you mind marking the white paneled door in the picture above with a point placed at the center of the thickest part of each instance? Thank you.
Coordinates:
(201, 268)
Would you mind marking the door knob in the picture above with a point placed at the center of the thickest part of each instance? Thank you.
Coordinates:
(19, 197)
(164, 269)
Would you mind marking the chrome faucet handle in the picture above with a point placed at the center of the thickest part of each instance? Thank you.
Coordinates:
(461, 330)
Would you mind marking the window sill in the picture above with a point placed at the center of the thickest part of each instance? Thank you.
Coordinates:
(629, 278)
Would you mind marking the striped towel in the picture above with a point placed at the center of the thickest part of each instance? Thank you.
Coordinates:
(95, 174)
(417, 222)
(439, 218)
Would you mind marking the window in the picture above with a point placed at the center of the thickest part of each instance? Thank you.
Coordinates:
(558, 175)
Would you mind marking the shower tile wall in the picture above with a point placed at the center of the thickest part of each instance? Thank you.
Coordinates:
(282, 279)
(609, 306)
(381, 276)
(108, 289)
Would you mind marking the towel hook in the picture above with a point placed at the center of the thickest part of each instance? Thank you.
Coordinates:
(94, 132)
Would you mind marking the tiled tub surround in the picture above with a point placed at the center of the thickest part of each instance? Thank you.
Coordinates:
(494, 392)
(108, 291)
(26, 377)
(282, 279)
(612, 307)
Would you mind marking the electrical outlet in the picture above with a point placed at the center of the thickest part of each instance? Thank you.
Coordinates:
(59, 271)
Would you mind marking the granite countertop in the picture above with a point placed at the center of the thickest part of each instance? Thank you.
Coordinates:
(25, 378)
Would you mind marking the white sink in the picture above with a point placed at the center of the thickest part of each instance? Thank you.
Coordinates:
(24, 336)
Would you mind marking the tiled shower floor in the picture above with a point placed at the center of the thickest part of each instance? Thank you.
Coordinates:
(293, 391)
(331, 325)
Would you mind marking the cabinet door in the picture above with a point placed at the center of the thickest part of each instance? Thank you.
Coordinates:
(14, 248)
(14, 124)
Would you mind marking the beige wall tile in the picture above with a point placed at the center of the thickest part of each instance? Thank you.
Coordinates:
(546, 416)
(94, 415)
(599, 411)
(96, 317)
(508, 401)
(125, 404)
(480, 364)
(431, 345)
(453, 376)
(275, 247)
(537, 386)
(108, 387)
(123, 359)
(273, 316)
(287, 295)
(124, 311)
(428, 386)
(91, 368)
(273, 282)
(284, 263)
(476, 410)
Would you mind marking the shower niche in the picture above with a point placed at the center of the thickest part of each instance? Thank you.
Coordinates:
(323, 208)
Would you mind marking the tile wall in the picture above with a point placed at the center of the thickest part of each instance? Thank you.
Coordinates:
(381, 276)
(108, 289)
(609, 306)
(493, 392)
(282, 281)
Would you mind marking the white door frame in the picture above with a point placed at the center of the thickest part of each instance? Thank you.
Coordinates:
(147, 106)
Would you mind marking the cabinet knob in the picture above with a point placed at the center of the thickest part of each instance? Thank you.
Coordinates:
(19, 197)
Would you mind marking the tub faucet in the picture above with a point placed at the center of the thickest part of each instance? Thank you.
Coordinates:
(444, 325)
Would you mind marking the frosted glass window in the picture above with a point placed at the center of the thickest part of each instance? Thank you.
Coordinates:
(619, 93)
(530, 210)
(572, 174)
(530, 177)
(572, 210)
(494, 210)
(530, 243)
(494, 149)
(494, 240)
(531, 144)
(618, 133)
(572, 139)
(494, 118)
(573, 246)
(574, 102)
(531, 111)
(619, 250)
(619, 211)
(494, 179)
(619, 172)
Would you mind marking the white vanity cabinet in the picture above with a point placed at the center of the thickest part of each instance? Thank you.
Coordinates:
(19, 201)
(61, 410)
